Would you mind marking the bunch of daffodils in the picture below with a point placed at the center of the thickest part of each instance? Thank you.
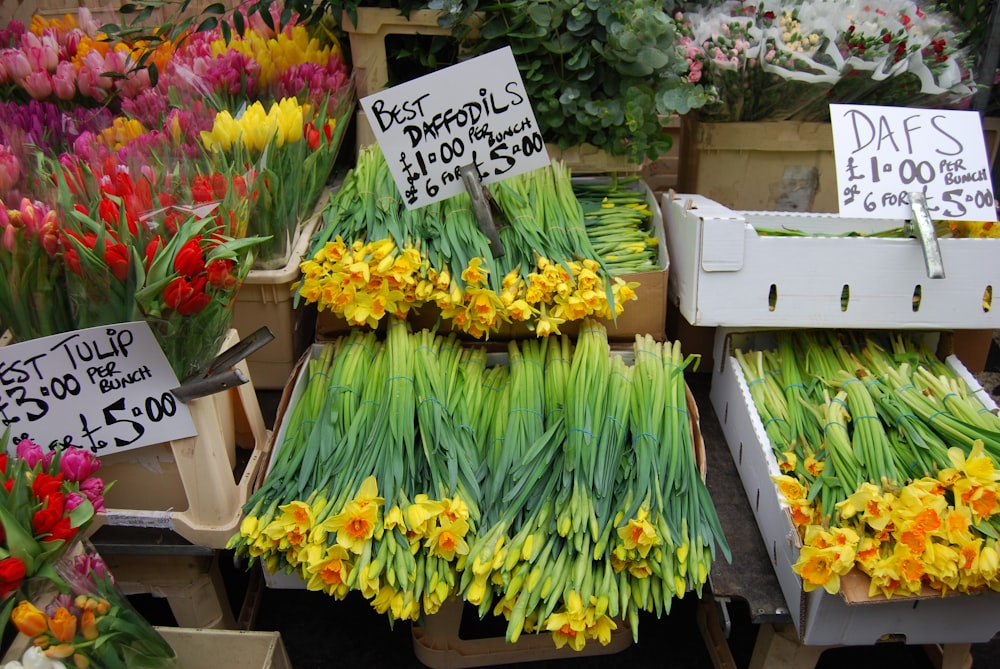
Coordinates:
(374, 258)
(886, 467)
(558, 488)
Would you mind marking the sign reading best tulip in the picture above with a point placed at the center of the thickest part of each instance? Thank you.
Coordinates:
(106, 389)
(476, 112)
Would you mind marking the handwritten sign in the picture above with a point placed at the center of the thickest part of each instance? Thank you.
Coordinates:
(884, 153)
(476, 112)
(106, 389)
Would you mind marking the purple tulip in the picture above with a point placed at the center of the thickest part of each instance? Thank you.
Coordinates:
(93, 488)
(73, 500)
(30, 452)
(78, 464)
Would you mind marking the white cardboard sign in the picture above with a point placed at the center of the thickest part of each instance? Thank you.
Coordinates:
(106, 389)
(475, 112)
(884, 153)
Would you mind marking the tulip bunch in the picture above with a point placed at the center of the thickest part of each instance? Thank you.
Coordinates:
(888, 467)
(294, 147)
(90, 622)
(70, 61)
(560, 489)
(46, 498)
(274, 96)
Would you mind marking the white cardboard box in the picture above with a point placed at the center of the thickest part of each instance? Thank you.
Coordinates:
(822, 619)
(723, 273)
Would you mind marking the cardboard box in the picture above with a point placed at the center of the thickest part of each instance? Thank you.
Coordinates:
(770, 166)
(724, 273)
(226, 649)
(266, 298)
(821, 619)
(647, 314)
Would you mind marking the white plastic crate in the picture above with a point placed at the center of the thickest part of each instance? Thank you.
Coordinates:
(821, 619)
(722, 272)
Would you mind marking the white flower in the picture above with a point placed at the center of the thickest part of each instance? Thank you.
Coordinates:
(34, 658)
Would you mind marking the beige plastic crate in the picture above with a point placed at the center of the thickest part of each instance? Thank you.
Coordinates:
(190, 485)
(266, 299)
(437, 644)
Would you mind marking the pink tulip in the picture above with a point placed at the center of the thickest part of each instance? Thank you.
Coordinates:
(93, 488)
(73, 500)
(10, 169)
(64, 81)
(16, 63)
(87, 22)
(38, 84)
(42, 52)
(78, 464)
(30, 452)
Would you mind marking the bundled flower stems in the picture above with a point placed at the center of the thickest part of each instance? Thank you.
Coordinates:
(566, 245)
(888, 461)
(558, 487)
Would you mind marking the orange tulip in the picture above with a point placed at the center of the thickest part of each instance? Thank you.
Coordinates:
(63, 625)
(29, 619)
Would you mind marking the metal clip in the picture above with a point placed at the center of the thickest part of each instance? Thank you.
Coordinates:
(221, 374)
(922, 228)
(485, 206)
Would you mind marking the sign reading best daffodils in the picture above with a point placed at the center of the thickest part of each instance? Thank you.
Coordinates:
(883, 154)
(106, 389)
(474, 113)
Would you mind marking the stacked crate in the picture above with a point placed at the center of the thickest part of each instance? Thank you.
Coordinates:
(748, 286)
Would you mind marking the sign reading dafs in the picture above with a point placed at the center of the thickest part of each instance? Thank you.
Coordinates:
(885, 153)
(474, 113)
(106, 389)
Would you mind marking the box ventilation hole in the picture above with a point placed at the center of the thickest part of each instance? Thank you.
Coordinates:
(741, 453)
(988, 299)
(918, 292)
(845, 297)
(725, 414)
(774, 552)
(756, 503)
(772, 297)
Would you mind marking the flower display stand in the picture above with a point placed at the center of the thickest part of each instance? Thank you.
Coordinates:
(191, 583)
(368, 53)
(192, 486)
(438, 644)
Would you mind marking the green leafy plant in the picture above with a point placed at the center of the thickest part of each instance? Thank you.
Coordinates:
(607, 74)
